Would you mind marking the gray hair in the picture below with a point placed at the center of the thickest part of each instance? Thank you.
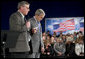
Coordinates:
(39, 11)
(22, 3)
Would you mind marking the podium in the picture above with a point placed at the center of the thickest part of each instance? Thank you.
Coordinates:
(10, 37)
(8, 40)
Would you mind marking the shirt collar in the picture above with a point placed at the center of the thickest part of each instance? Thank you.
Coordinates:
(21, 14)
(35, 19)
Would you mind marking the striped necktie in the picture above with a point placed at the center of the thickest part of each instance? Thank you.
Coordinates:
(39, 26)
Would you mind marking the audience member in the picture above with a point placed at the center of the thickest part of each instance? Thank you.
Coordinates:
(59, 47)
(79, 48)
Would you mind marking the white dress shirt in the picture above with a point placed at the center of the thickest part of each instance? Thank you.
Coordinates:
(79, 48)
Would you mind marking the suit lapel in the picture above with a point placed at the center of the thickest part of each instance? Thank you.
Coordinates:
(22, 19)
(19, 14)
(35, 22)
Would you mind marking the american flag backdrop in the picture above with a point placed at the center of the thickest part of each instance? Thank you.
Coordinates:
(66, 25)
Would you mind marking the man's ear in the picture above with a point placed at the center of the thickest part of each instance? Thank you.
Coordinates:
(20, 7)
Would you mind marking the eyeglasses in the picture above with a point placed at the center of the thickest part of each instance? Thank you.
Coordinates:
(26, 7)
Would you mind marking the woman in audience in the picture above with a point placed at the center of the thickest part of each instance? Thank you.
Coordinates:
(52, 44)
(54, 34)
(75, 36)
(64, 38)
(48, 48)
(48, 38)
(52, 40)
(80, 37)
(79, 48)
(44, 37)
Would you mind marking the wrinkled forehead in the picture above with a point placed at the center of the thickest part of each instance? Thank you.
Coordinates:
(26, 5)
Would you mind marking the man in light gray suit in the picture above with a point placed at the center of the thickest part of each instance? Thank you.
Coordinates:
(37, 45)
(18, 23)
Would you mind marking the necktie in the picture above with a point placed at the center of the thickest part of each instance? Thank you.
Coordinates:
(25, 19)
(39, 25)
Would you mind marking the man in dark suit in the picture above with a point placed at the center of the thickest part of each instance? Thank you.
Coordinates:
(37, 45)
(18, 23)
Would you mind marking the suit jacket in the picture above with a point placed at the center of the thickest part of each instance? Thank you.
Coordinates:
(36, 38)
(70, 49)
(17, 23)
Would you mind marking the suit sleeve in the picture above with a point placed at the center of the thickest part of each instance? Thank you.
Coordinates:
(42, 44)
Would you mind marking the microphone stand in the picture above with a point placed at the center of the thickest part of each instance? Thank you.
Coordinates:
(4, 45)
